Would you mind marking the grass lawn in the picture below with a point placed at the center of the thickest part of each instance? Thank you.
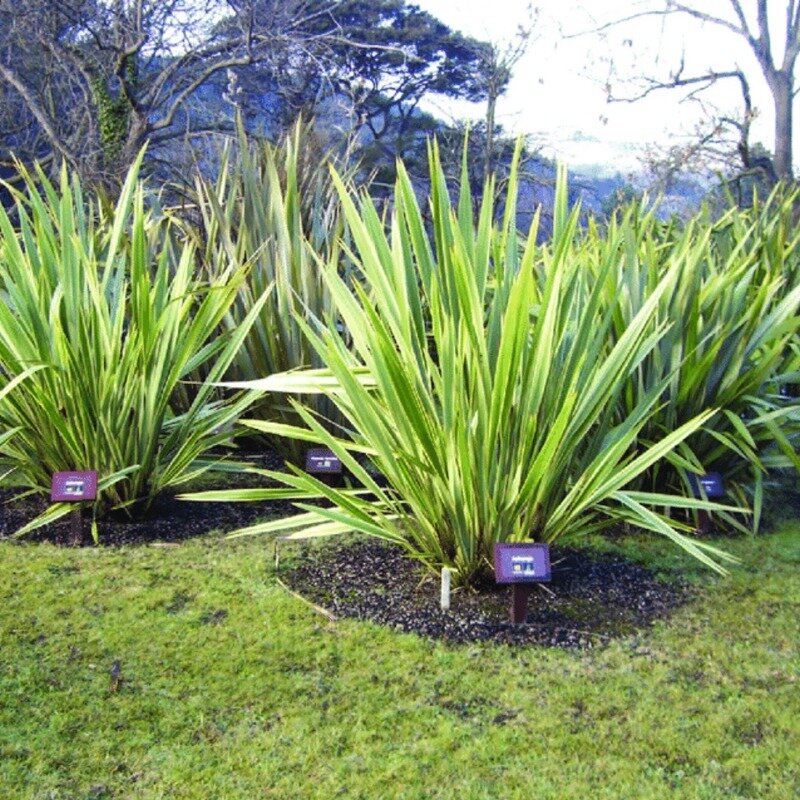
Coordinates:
(232, 688)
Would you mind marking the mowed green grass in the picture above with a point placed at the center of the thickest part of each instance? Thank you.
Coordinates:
(233, 688)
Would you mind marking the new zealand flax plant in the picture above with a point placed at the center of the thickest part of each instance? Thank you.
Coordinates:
(732, 340)
(101, 311)
(275, 207)
(484, 395)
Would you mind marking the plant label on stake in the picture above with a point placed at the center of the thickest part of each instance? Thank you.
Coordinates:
(713, 487)
(711, 483)
(325, 464)
(74, 487)
(521, 564)
(320, 460)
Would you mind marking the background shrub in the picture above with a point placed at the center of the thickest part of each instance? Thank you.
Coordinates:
(730, 344)
(105, 306)
(273, 207)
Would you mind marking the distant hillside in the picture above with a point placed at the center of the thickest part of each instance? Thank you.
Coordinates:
(591, 185)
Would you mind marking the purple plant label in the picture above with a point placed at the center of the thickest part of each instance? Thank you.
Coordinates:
(72, 487)
(711, 484)
(521, 562)
(320, 460)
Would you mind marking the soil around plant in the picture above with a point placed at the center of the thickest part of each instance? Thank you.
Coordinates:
(591, 599)
(167, 520)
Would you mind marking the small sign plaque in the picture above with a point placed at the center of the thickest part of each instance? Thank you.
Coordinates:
(711, 484)
(322, 461)
(521, 562)
(72, 487)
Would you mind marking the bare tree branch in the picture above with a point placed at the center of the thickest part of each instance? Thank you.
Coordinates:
(181, 97)
(671, 9)
(741, 29)
(616, 23)
(763, 27)
(792, 47)
(706, 80)
(38, 113)
(779, 73)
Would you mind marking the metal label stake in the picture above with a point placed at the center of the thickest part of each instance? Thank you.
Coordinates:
(74, 487)
(521, 565)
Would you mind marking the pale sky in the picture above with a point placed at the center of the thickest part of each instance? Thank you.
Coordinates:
(557, 93)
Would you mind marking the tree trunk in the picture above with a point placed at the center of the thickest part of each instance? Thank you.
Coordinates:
(488, 156)
(781, 86)
(134, 141)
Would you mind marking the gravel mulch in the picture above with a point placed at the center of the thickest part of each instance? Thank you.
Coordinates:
(591, 599)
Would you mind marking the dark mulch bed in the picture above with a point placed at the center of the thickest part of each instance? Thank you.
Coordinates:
(167, 520)
(591, 599)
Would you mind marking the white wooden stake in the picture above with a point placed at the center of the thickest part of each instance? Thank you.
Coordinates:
(445, 597)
